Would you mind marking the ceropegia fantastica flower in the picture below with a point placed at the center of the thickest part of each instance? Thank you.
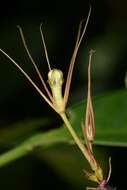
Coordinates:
(58, 101)
(54, 98)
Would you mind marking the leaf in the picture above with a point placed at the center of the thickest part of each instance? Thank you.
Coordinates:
(16, 133)
(111, 126)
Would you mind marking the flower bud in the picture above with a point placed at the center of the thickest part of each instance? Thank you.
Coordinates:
(89, 120)
(55, 80)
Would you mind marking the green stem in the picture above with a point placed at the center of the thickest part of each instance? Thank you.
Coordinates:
(12, 155)
(76, 137)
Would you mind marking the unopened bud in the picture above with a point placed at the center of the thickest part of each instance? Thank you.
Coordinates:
(55, 80)
(91, 176)
(89, 121)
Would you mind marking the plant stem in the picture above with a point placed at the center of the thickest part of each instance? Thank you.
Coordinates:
(76, 137)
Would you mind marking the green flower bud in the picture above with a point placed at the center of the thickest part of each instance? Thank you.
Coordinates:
(55, 80)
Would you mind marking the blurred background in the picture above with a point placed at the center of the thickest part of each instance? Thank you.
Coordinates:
(106, 34)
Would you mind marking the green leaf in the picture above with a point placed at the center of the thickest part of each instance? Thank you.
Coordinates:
(16, 133)
(111, 127)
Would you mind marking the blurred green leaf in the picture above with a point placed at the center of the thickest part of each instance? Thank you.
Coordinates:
(16, 133)
(111, 125)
